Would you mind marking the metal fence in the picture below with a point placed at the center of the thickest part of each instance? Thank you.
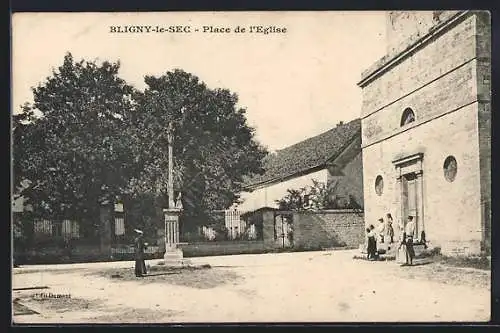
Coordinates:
(64, 228)
(131, 249)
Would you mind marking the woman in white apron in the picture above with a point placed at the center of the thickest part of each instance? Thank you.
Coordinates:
(401, 249)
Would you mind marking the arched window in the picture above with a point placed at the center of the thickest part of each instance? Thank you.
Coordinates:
(408, 117)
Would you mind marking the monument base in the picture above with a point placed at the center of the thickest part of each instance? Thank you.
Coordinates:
(175, 258)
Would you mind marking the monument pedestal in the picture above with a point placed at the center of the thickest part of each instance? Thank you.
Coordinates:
(173, 256)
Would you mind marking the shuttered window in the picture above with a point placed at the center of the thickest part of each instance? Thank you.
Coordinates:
(119, 226)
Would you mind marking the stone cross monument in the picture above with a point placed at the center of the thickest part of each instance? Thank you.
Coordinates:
(173, 254)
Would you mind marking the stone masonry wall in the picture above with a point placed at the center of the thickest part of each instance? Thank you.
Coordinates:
(483, 77)
(428, 103)
(404, 27)
(440, 56)
(268, 226)
(441, 82)
(225, 248)
(328, 229)
(451, 209)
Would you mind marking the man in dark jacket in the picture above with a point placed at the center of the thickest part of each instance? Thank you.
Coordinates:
(140, 246)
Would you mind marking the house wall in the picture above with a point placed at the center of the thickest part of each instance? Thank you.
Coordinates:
(267, 196)
(440, 83)
(351, 180)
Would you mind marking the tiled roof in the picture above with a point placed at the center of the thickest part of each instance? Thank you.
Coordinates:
(308, 154)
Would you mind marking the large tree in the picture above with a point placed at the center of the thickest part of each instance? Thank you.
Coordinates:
(88, 138)
(214, 147)
(72, 152)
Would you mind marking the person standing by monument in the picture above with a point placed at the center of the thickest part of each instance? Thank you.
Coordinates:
(139, 247)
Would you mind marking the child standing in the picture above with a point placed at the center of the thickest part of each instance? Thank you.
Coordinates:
(372, 243)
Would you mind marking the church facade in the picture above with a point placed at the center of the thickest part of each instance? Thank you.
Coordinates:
(426, 128)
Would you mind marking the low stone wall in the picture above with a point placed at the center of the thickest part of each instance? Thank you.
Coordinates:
(92, 253)
(58, 255)
(226, 248)
(82, 253)
(328, 228)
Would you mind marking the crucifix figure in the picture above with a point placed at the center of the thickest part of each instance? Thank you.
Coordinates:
(178, 202)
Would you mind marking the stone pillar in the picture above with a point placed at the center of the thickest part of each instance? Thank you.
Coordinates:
(398, 216)
(297, 235)
(402, 221)
(268, 226)
(173, 254)
(420, 204)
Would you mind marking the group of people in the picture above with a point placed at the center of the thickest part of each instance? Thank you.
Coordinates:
(384, 233)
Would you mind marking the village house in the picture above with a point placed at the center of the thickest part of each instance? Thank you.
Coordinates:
(332, 158)
(426, 127)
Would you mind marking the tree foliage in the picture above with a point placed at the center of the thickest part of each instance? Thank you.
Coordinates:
(214, 148)
(89, 138)
(318, 196)
(70, 144)
(293, 200)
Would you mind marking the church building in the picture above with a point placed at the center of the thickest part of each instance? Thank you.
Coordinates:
(426, 129)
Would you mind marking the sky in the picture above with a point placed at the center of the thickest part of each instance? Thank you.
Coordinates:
(294, 85)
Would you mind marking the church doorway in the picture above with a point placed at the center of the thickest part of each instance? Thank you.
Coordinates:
(410, 192)
(409, 197)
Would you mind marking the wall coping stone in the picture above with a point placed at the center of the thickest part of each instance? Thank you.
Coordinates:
(394, 57)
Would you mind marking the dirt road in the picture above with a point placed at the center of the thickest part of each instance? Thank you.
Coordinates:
(288, 287)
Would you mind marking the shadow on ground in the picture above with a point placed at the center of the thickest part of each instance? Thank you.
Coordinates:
(428, 270)
(108, 314)
(194, 277)
(60, 305)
